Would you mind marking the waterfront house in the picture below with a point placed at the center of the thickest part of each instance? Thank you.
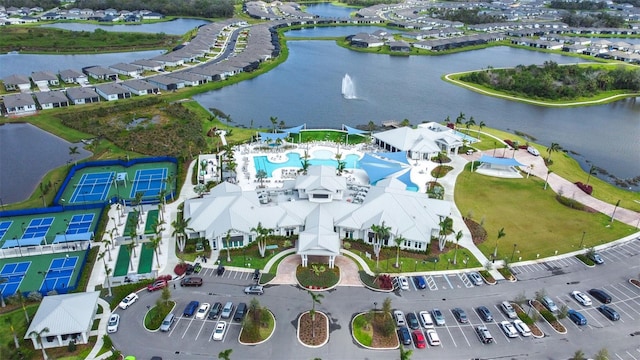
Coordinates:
(51, 99)
(44, 78)
(165, 82)
(17, 82)
(149, 65)
(112, 91)
(19, 104)
(70, 76)
(82, 95)
(189, 78)
(100, 73)
(126, 69)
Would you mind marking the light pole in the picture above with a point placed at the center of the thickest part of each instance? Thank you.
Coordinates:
(613, 214)
(435, 262)
(375, 306)
(62, 201)
(416, 267)
(466, 264)
(582, 241)
(514, 251)
(18, 243)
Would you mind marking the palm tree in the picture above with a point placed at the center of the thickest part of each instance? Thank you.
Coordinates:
(305, 162)
(180, 226)
(155, 244)
(315, 299)
(38, 336)
(274, 122)
(381, 232)
(262, 236)
(469, 123)
(602, 354)
(341, 164)
(455, 252)
(131, 248)
(516, 144)
(501, 234)
(261, 175)
(107, 270)
(447, 119)
(578, 355)
(227, 240)
(73, 150)
(108, 243)
(13, 331)
(225, 354)
(555, 147)
(371, 126)
(480, 126)
(446, 227)
(546, 181)
(398, 239)
(592, 171)
(460, 119)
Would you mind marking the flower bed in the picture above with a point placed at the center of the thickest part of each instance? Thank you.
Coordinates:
(382, 282)
(535, 330)
(487, 277)
(585, 260)
(317, 276)
(313, 335)
(548, 316)
(370, 332)
(506, 272)
(588, 189)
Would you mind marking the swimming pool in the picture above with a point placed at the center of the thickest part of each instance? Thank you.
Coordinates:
(294, 160)
(466, 137)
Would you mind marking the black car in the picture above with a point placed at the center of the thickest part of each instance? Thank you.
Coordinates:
(609, 313)
(602, 296)
(190, 269)
(405, 337)
(214, 313)
(256, 275)
(240, 311)
(460, 315)
(220, 270)
(412, 321)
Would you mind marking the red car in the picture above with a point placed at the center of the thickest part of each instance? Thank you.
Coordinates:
(418, 339)
(157, 285)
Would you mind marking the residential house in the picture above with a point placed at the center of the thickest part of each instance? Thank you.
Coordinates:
(100, 73)
(17, 82)
(189, 78)
(165, 82)
(152, 16)
(19, 104)
(51, 99)
(112, 91)
(82, 95)
(149, 65)
(44, 78)
(70, 76)
(140, 87)
(127, 69)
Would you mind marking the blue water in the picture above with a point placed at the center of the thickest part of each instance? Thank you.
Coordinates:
(294, 160)
(464, 136)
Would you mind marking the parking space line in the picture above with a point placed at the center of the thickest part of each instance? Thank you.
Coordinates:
(588, 312)
(448, 282)
(465, 280)
(431, 283)
(199, 331)
(634, 358)
(629, 288)
(619, 357)
(617, 305)
(413, 283)
(451, 336)
(188, 326)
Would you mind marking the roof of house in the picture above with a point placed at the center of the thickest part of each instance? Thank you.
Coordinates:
(423, 139)
(71, 74)
(64, 314)
(43, 75)
(16, 80)
(112, 89)
(99, 71)
(81, 93)
(18, 100)
(138, 85)
(125, 67)
(49, 97)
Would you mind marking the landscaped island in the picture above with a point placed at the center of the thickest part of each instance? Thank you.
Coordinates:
(554, 83)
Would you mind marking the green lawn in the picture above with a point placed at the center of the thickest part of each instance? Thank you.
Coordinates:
(531, 217)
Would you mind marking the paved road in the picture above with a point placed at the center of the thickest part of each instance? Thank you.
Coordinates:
(190, 339)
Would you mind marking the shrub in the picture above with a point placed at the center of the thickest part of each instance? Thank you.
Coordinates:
(385, 282)
(525, 318)
(548, 315)
(585, 259)
(34, 296)
(586, 188)
(180, 269)
(71, 347)
(346, 245)
(570, 203)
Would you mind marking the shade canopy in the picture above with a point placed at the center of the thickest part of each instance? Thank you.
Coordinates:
(378, 168)
(353, 131)
(499, 161)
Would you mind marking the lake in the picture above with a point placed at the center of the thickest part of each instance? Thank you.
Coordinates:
(173, 27)
(26, 155)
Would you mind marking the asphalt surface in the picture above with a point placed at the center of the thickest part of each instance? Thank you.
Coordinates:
(191, 338)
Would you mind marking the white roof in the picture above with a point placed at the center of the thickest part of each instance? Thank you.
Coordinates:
(421, 139)
(65, 314)
(321, 179)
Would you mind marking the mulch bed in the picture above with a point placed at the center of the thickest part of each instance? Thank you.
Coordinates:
(635, 282)
(556, 325)
(321, 329)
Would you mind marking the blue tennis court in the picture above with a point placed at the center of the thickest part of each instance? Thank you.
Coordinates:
(59, 274)
(93, 187)
(149, 182)
(14, 273)
(80, 224)
(38, 228)
(4, 227)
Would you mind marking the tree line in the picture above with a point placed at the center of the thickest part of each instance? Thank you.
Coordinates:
(197, 8)
(45, 4)
(367, 3)
(582, 5)
(599, 20)
(554, 82)
(467, 16)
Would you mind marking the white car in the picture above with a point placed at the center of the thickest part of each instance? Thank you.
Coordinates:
(522, 328)
(203, 311)
(581, 297)
(533, 151)
(399, 316)
(218, 333)
(426, 320)
(402, 282)
(508, 329)
(432, 337)
(127, 301)
(112, 324)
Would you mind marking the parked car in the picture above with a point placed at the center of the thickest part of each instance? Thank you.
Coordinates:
(522, 328)
(609, 312)
(240, 311)
(418, 339)
(432, 337)
(595, 257)
(549, 304)
(157, 285)
(218, 333)
(399, 316)
(190, 309)
(254, 290)
(576, 317)
(220, 270)
(533, 151)
(227, 310)
(483, 334)
(508, 329)
(215, 311)
(112, 324)
(460, 315)
(581, 297)
(485, 313)
(508, 310)
(475, 278)
(128, 301)
(402, 282)
(404, 336)
(167, 322)
(600, 295)
(438, 317)
(203, 311)
(412, 321)
(426, 320)
(420, 282)
(191, 281)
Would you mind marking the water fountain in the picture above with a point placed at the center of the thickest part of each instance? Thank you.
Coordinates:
(348, 88)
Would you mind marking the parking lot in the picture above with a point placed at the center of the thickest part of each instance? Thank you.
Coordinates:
(198, 330)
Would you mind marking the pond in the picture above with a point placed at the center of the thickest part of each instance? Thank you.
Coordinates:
(173, 27)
